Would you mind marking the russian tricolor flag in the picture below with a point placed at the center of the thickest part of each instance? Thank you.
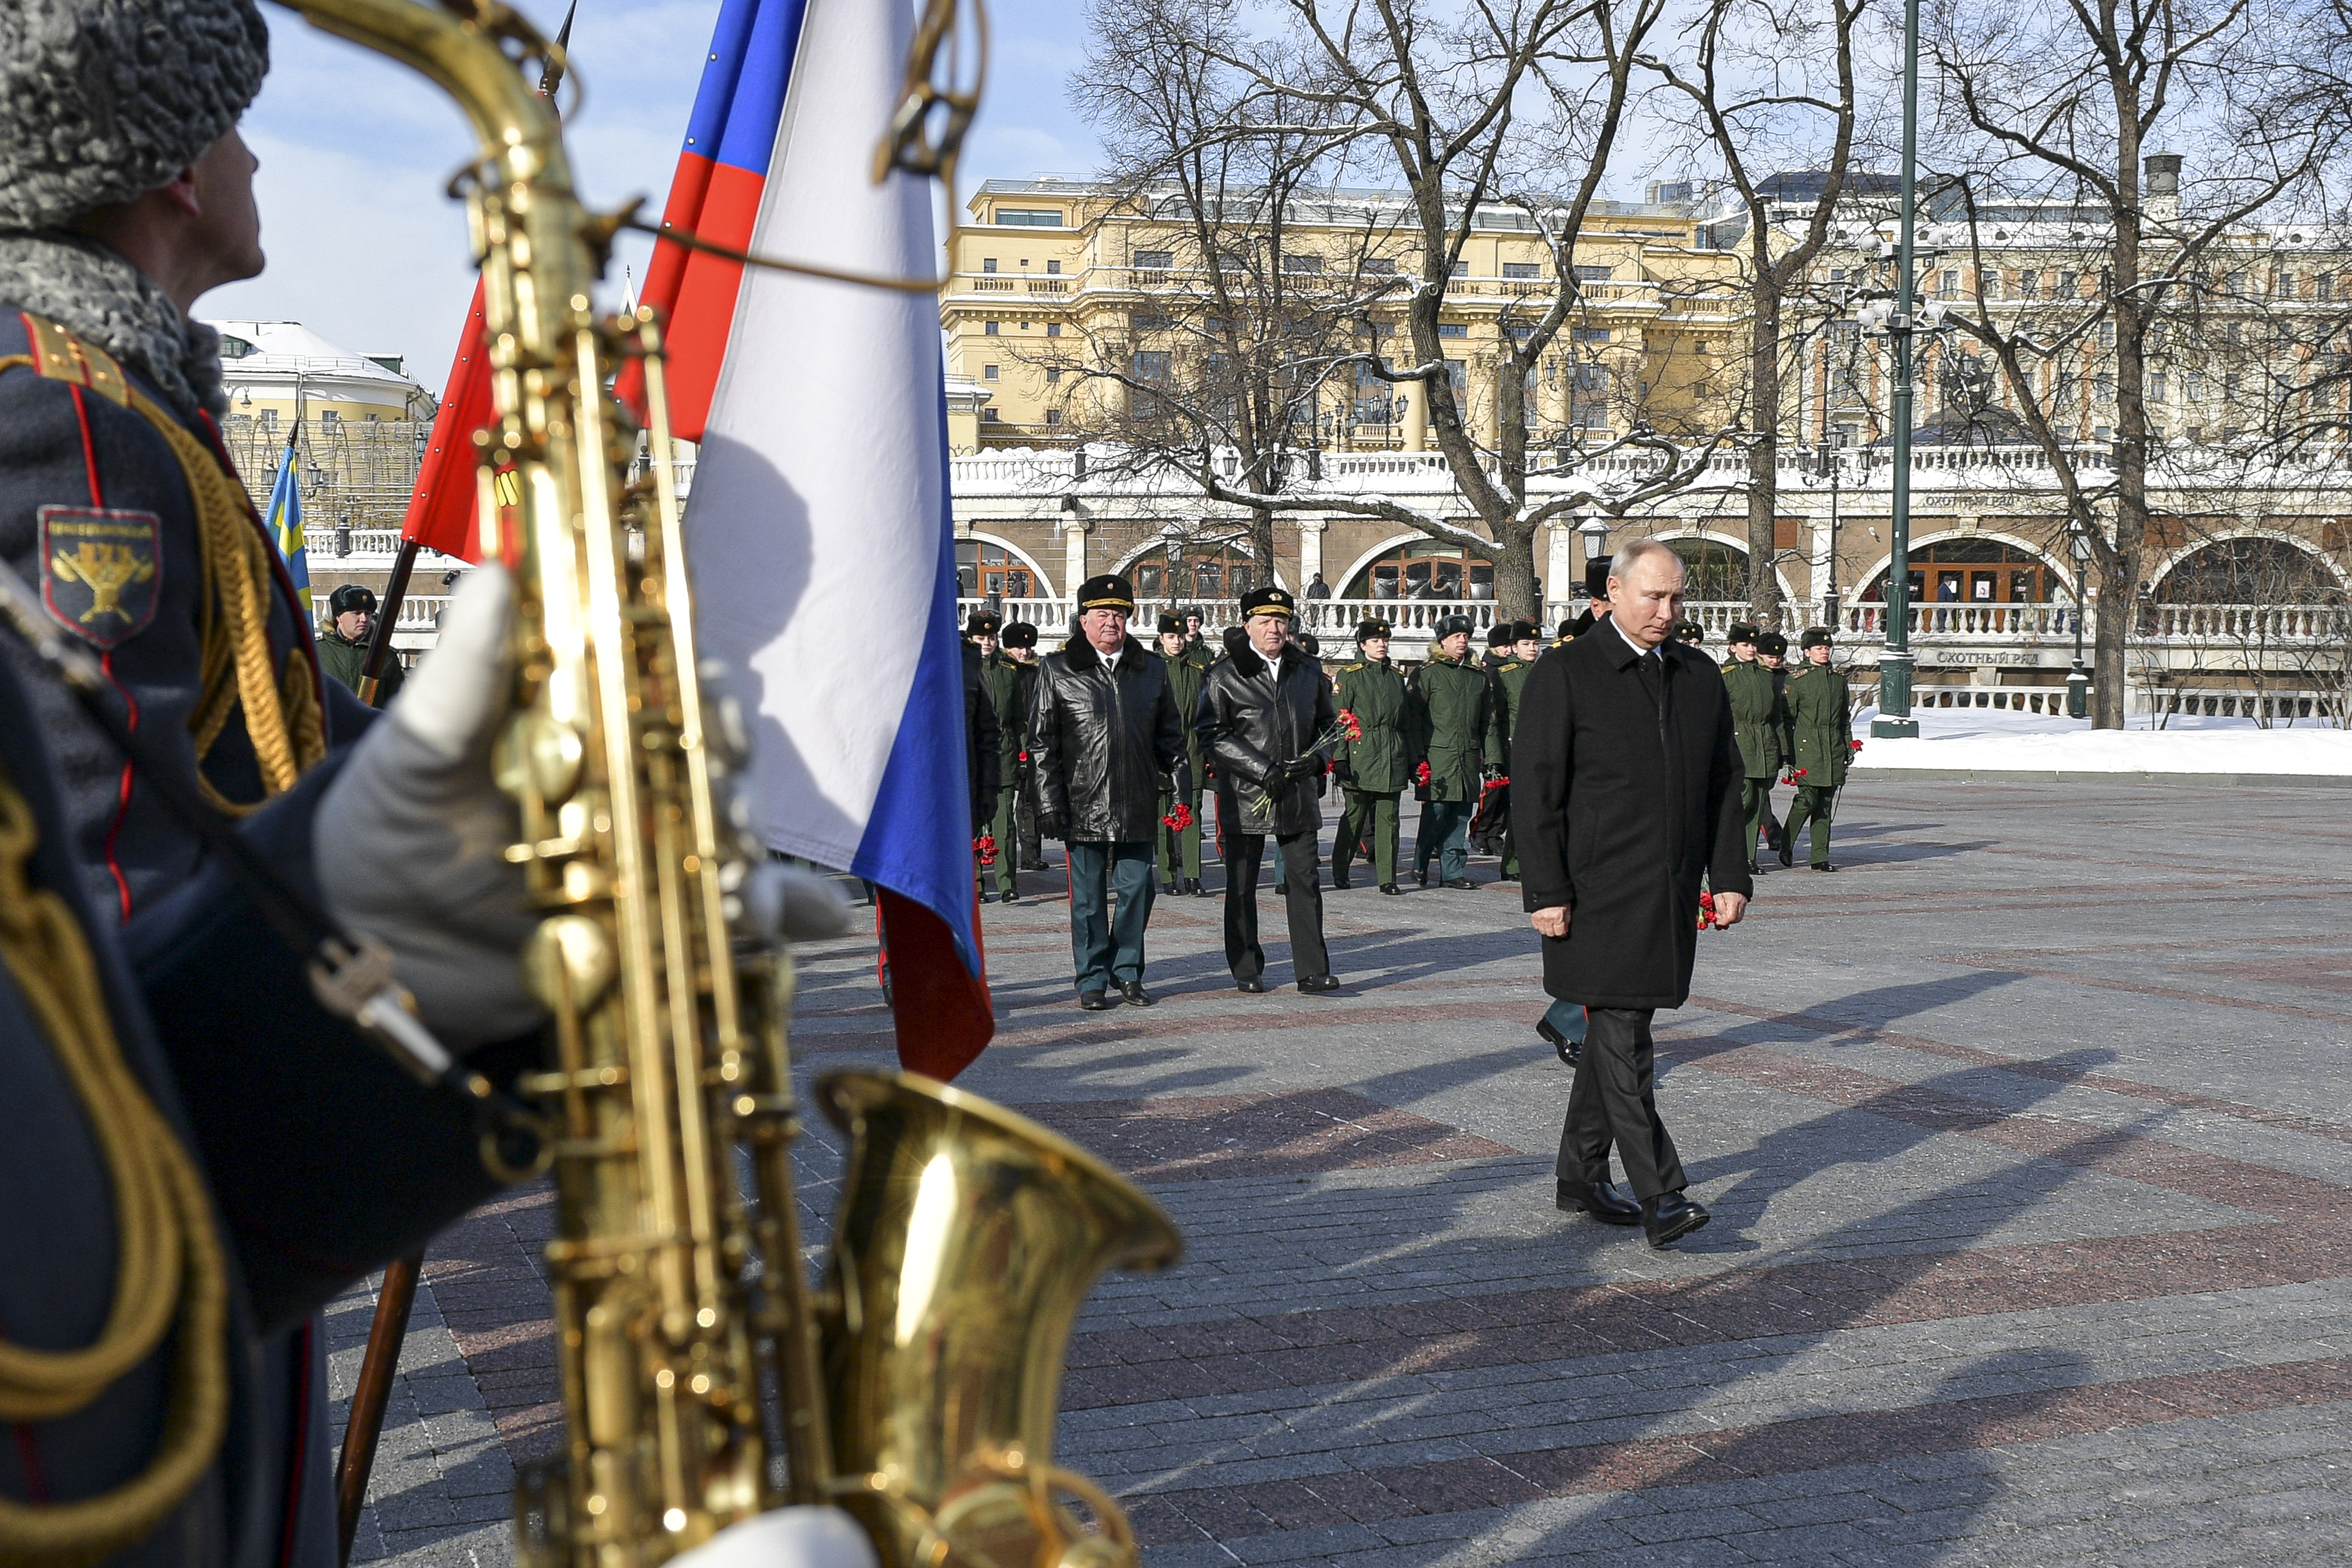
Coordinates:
(818, 525)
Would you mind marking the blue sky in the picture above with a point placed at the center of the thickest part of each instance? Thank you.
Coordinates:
(356, 152)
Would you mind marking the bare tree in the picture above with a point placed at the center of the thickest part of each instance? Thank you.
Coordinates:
(2056, 114)
(1769, 85)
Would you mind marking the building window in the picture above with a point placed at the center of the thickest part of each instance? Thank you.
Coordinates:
(2102, 387)
(1053, 416)
(2192, 388)
(2028, 285)
(1590, 378)
(1150, 321)
(2324, 285)
(269, 419)
(1950, 286)
(988, 264)
(1016, 218)
(989, 417)
(1379, 266)
(1052, 375)
(1712, 573)
(1193, 571)
(1593, 274)
(988, 373)
(234, 347)
(2067, 286)
(1052, 329)
(1453, 329)
(1424, 570)
(1052, 269)
(1151, 365)
(1971, 571)
(2155, 386)
(1591, 334)
(1521, 270)
(984, 570)
(987, 328)
(1155, 260)
(1457, 375)
(328, 418)
(1291, 262)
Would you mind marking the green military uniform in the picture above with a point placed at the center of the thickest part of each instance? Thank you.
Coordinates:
(1511, 676)
(1758, 719)
(1454, 723)
(1820, 728)
(342, 660)
(1374, 769)
(1180, 853)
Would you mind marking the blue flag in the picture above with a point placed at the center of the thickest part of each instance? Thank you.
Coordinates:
(284, 523)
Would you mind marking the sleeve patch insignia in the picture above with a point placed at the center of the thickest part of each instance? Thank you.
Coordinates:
(102, 571)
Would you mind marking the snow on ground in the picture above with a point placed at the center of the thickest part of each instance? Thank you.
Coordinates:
(1988, 740)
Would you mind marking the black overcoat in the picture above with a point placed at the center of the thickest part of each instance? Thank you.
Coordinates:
(1104, 746)
(1620, 809)
(1254, 715)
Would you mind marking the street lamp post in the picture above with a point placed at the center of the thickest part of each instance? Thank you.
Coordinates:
(2078, 683)
(1894, 719)
(1829, 469)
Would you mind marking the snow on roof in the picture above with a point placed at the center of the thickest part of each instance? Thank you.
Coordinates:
(281, 348)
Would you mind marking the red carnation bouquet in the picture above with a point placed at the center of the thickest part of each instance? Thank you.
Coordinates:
(1857, 745)
(1796, 773)
(1178, 820)
(1421, 775)
(1347, 727)
(1352, 726)
(1706, 911)
(985, 848)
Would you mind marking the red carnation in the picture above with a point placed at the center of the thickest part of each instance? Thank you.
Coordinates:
(1706, 910)
(1421, 775)
(985, 848)
(1179, 819)
(1857, 745)
(1354, 725)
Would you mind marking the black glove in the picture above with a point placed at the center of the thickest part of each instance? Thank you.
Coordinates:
(1343, 772)
(1306, 767)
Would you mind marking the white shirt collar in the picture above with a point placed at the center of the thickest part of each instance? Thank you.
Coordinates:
(1637, 647)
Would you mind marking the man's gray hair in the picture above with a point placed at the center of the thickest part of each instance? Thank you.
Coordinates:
(1630, 555)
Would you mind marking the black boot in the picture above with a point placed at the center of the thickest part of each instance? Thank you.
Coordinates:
(1670, 1217)
(1340, 878)
(1602, 1200)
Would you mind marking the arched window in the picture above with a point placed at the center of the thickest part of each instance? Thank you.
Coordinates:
(1177, 571)
(984, 570)
(2249, 572)
(1712, 573)
(1973, 572)
(1425, 569)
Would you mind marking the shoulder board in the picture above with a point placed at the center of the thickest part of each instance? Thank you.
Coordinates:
(61, 356)
(1353, 668)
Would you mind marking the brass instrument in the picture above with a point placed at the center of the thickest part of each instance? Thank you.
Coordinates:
(686, 1337)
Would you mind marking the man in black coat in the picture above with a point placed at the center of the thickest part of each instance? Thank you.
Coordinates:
(1104, 737)
(1264, 706)
(1625, 799)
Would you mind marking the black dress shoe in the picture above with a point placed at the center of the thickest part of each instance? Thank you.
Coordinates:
(1754, 869)
(1136, 996)
(1193, 887)
(1319, 985)
(1252, 986)
(1392, 889)
(1421, 876)
(1282, 890)
(1170, 889)
(1460, 884)
(1012, 898)
(1602, 1200)
(1030, 866)
(1670, 1217)
(987, 897)
(1823, 866)
(1787, 855)
(1570, 1051)
(1340, 880)
(1095, 1002)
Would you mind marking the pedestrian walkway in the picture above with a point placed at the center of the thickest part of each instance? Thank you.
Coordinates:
(2026, 1138)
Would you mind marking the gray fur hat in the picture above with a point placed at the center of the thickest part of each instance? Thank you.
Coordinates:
(102, 100)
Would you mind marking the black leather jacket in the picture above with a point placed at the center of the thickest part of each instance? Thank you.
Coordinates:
(1253, 718)
(1101, 744)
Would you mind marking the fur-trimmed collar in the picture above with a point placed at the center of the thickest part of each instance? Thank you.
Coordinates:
(1253, 664)
(1082, 656)
(92, 293)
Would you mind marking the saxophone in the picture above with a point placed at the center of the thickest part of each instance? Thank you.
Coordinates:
(703, 1381)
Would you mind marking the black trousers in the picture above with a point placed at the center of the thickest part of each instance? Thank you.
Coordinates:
(1301, 868)
(1614, 1101)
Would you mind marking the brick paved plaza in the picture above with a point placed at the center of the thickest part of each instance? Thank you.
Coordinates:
(2027, 1141)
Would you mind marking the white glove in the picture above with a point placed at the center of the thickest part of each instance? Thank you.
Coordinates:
(785, 1538)
(410, 839)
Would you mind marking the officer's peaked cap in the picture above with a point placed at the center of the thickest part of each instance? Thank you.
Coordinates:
(1109, 592)
(102, 100)
(1269, 601)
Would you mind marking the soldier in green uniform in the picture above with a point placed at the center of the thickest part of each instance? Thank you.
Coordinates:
(1757, 718)
(1000, 687)
(342, 651)
(1180, 853)
(1821, 724)
(1454, 723)
(1371, 770)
